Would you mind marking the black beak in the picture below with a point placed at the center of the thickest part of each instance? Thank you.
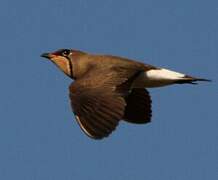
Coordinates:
(46, 55)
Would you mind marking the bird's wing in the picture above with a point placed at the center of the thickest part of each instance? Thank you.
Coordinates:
(138, 108)
(98, 102)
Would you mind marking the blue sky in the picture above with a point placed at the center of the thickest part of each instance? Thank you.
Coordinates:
(39, 138)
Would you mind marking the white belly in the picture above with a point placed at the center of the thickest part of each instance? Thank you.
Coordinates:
(157, 78)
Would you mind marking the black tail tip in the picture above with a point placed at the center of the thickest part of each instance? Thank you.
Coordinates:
(196, 79)
(201, 79)
(191, 80)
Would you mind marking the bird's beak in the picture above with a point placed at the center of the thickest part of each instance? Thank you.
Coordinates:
(47, 55)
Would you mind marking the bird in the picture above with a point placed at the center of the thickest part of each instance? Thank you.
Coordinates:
(107, 88)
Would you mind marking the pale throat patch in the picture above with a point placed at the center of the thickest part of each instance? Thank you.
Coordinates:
(63, 64)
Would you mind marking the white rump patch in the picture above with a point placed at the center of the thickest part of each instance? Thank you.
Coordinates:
(163, 74)
(157, 78)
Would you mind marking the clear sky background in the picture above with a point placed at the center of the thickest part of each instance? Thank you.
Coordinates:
(39, 138)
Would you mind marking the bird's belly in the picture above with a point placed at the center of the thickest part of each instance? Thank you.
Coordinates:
(156, 78)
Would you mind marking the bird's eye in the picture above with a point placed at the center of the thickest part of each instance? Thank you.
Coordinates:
(65, 52)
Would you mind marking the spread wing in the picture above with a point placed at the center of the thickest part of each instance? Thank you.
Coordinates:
(97, 100)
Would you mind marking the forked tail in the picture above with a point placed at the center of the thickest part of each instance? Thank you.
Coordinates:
(190, 80)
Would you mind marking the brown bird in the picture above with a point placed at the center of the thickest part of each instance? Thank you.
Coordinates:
(108, 88)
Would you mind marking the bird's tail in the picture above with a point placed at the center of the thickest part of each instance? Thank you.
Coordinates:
(190, 80)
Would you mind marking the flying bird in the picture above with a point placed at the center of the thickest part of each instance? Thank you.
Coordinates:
(107, 89)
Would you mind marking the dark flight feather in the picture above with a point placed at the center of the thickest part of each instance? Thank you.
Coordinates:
(138, 109)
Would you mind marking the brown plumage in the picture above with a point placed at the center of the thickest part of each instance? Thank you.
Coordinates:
(138, 108)
(108, 89)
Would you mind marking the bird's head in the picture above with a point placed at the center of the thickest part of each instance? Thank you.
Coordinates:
(63, 59)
